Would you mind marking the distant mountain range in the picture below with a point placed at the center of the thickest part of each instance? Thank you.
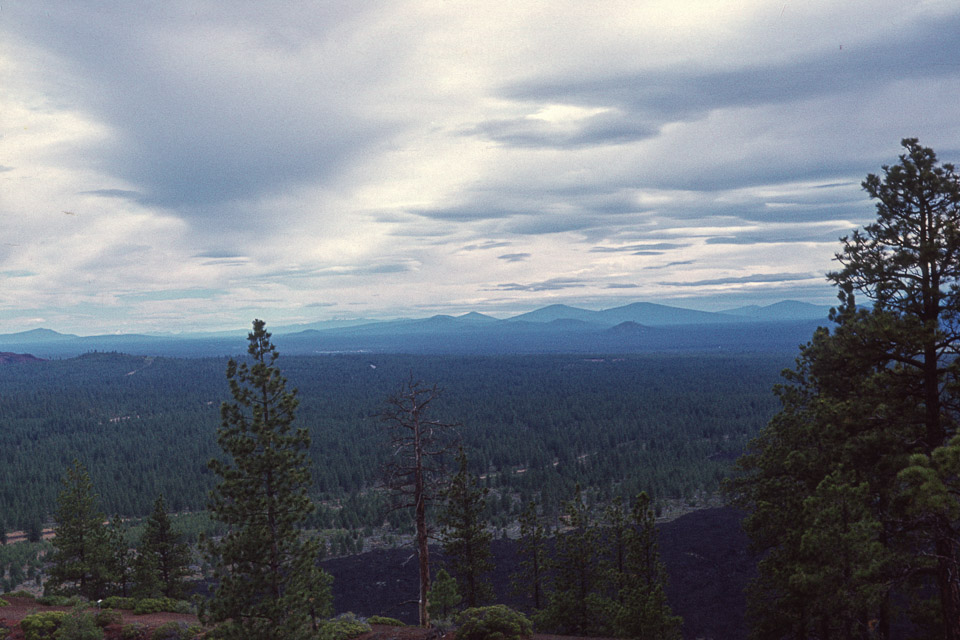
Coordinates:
(637, 327)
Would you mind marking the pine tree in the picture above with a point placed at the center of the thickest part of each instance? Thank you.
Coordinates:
(534, 559)
(466, 541)
(120, 557)
(575, 605)
(864, 402)
(268, 582)
(162, 549)
(444, 596)
(80, 562)
(641, 611)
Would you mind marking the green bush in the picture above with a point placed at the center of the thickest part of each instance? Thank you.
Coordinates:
(391, 622)
(493, 623)
(175, 631)
(78, 625)
(156, 605)
(40, 626)
(62, 601)
(4, 603)
(107, 617)
(343, 627)
(134, 631)
(20, 594)
(4, 632)
(116, 602)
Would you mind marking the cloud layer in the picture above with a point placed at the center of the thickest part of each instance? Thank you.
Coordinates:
(191, 165)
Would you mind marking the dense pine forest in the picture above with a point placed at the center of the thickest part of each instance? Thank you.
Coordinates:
(670, 425)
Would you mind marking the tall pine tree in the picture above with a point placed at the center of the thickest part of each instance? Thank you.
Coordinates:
(466, 540)
(81, 561)
(162, 551)
(867, 414)
(575, 604)
(534, 558)
(268, 583)
(640, 609)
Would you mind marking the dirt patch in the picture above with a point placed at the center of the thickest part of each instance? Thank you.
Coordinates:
(19, 608)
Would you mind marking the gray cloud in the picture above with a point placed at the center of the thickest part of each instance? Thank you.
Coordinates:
(926, 50)
(600, 129)
(757, 278)
(676, 263)
(485, 245)
(553, 284)
(114, 193)
(197, 129)
(514, 257)
(632, 248)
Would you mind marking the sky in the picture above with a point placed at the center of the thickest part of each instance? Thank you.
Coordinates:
(191, 165)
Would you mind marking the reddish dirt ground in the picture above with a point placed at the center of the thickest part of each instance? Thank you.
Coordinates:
(10, 617)
(21, 607)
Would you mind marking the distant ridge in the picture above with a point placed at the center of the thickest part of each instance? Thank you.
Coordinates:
(558, 328)
(37, 335)
(556, 312)
(15, 358)
(785, 310)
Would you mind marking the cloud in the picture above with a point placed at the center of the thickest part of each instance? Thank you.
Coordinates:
(554, 284)
(686, 93)
(756, 278)
(634, 248)
(114, 193)
(610, 127)
(393, 156)
(514, 257)
(485, 245)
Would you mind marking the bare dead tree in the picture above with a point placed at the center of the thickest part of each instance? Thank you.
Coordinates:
(415, 473)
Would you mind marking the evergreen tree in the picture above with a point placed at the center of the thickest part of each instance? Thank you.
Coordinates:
(146, 576)
(444, 596)
(641, 610)
(866, 401)
(80, 563)
(534, 559)
(575, 605)
(268, 583)
(466, 540)
(161, 547)
(120, 557)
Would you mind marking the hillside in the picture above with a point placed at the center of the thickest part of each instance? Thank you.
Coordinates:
(705, 553)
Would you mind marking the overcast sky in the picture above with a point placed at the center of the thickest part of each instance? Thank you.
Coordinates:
(175, 166)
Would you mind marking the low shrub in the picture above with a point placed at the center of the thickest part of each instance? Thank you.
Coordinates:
(78, 625)
(62, 601)
(392, 622)
(343, 627)
(134, 631)
(40, 626)
(107, 617)
(116, 602)
(4, 603)
(175, 631)
(156, 605)
(20, 594)
(497, 622)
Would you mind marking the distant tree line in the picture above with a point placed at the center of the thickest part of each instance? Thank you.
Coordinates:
(535, 427)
